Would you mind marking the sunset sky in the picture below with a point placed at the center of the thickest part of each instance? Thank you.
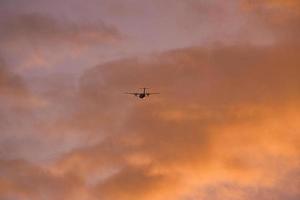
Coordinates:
(225, 126)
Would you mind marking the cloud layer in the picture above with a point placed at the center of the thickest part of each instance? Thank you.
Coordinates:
(225, 125)
(230, 126)
(39, 28)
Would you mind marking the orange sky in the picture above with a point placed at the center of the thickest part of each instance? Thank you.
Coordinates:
(225, 126)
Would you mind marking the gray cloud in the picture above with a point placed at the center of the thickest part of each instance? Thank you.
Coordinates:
(22, 180)
(10, 83)
(40, 28)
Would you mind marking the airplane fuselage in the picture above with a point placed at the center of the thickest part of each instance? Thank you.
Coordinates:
(142, 95)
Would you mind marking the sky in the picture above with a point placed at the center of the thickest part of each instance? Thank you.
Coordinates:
(226, 124)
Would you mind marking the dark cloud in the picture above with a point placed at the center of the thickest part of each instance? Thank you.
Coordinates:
(22, 180)
(10, 83)
(40, 43)
(38, 28)
(16, 105)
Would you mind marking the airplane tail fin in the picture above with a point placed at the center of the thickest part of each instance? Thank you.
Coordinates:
(144, 89)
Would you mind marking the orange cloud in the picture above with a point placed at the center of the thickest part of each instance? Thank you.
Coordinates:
(280, 16)
(236, 123)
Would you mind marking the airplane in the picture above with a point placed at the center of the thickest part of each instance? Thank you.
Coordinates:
(141, 95)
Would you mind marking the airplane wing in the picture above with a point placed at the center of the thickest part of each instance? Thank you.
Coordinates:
(132, 93)
(148, 94)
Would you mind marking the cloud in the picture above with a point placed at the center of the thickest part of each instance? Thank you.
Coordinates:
(14, 91)
(234, 69)
(226, 123)
(42, 28)
(228, 135)
(236, 122)
(33, 41)
(26, 131)
(132, 184)
(16, 105)
(10, 83)
(281, 17)
(23, 180)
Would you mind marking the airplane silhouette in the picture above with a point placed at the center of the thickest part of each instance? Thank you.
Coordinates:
(141, 95)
